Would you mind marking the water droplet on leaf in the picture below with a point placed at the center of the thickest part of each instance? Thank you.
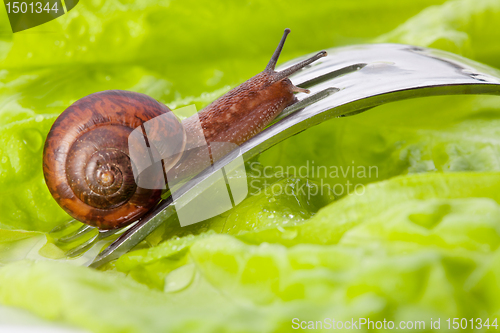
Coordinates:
(288, 234)
(33, 139)
(180, 278)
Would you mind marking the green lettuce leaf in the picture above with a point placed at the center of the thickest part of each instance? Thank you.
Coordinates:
(416, 203)
(26, 202)
(438, 244)
(418, 240)
(465, 27)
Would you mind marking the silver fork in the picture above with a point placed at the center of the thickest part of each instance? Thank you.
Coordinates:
(350, 80)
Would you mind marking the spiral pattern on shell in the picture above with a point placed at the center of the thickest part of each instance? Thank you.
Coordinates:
(86, 162)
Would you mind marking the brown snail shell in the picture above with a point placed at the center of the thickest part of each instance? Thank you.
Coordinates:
(86, 163)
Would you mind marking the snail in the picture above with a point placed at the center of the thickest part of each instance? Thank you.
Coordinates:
(86, 162)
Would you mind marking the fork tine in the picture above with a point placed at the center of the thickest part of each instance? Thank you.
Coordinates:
(309, 100)
(83, 230)
(64, 226)
(83, 247)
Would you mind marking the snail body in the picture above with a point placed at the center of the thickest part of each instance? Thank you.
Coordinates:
(87, 165)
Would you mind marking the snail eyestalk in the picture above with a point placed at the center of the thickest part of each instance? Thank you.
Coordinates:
(274, 59)
(290, 70)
